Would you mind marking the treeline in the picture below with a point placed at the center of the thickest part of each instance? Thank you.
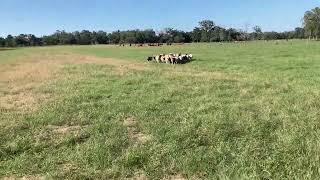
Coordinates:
(311, 23)
(207, 31)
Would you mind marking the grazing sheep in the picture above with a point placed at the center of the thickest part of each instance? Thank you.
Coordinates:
(174, 60)
(190, 56)
(180, 59)
(183, 59)
(162, 58)
(150, 58)
(177, 55)
(158, 58)
(167, 59)
(171, 58)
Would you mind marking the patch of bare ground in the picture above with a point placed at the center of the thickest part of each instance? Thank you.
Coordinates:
(139, 175)
(57, 135)
(137, 137)
(29, 177)
(244, 92)
(24, 101)
(64, 130)
(175, 177)
(67, 168)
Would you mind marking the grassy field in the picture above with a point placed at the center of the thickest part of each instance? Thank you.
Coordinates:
(238, 111)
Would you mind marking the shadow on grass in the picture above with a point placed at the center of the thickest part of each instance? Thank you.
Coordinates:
(189, 61)
(7, 49)
(181, 62)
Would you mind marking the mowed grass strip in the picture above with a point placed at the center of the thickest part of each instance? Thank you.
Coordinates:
(238, 111)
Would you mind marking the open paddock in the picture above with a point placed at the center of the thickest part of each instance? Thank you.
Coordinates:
(237, 110)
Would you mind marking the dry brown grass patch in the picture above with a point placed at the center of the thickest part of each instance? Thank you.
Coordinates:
(134, 134)
(57, 135)
(38, 71)
(121, 66)
(67, 168)
(139, 175)
(28, 177)
(175, 177)
(130, 121)
(24, 101)
(64, 130)
(19, 80)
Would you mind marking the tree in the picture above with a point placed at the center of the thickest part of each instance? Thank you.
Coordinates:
(77, 37)
(114, 37)
(2, 42)
(64, 38)
(271, 35)
(207, 31)
(206, 25)
(187, 37)
(223, 35)
(217, 35)
(168, 35)
(196, 35)
(311, 22)
(257, 29)
(33, 40)
(94, 38)
(50, 40)
(205, 37)
(22, 40)
(10, 41)
(257, 33)
(299, 33)
(233, 34)
(179, 38)
(85, 37)
(150, 36)
(102, 37)
(139, 37)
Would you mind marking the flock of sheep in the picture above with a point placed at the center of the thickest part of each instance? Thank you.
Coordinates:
(171, 58)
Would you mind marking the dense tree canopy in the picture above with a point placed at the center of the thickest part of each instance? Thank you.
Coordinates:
(2, 42)
(204, 33)
(311, 22)
(207, 31)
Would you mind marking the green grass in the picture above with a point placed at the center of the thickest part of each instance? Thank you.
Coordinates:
(239, 111)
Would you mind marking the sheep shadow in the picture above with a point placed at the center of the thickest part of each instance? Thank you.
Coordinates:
(179, 63)
(187, 62)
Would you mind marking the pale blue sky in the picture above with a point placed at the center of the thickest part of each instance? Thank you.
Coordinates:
(43, 17)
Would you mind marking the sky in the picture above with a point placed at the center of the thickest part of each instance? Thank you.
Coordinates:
(43, 17)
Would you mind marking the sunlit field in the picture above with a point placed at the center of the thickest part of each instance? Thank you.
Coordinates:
(237, 111)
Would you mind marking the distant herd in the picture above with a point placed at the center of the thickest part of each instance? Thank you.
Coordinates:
(150, 44)
(171, 58)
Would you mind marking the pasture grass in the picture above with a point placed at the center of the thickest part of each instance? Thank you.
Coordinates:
(238, 111)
